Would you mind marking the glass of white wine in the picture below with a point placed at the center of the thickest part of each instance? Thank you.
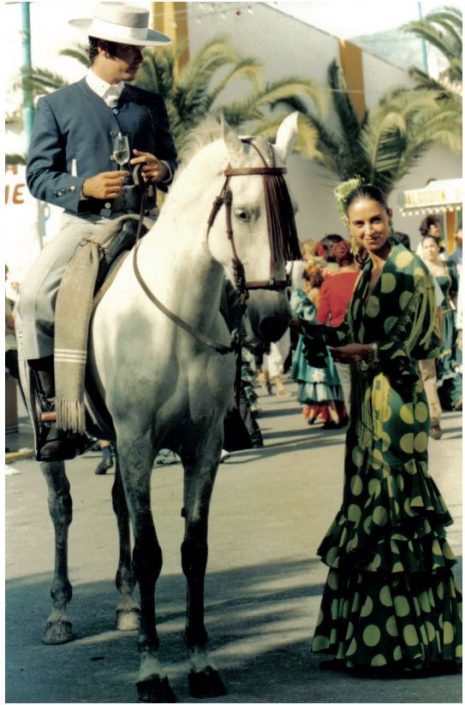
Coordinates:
(121, 151)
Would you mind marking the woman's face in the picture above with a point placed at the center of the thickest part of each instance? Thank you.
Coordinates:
(369, 224)
(430, 249)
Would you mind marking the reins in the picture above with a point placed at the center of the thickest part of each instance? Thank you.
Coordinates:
(280, 220)
(219, 347)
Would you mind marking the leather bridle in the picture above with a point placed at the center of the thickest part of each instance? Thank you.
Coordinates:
(276, 198)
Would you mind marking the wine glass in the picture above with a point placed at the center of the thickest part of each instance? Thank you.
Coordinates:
(120, 152)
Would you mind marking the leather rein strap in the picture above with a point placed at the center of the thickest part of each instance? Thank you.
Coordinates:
(219, 347)
(224, 198)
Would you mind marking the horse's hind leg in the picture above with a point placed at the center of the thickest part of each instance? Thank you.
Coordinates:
(204, 679)
(127, 611)
(59, 629)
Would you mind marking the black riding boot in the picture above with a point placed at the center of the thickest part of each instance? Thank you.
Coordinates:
(52, 444)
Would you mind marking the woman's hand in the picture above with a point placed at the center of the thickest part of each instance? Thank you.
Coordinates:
(353, 352)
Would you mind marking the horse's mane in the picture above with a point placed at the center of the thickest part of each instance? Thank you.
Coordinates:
(208, 131)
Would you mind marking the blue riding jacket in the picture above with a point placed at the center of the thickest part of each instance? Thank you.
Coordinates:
(72, 140)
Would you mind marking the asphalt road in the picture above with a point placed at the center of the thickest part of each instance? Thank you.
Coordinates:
(269, 512)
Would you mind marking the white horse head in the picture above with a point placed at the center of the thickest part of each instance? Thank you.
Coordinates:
(244, 227)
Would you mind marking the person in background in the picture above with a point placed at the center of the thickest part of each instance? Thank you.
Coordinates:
(72, 163)
(449, 382)
(272, 371)
(391, 606)
(319, 388)
(106, 461)
(335, 294)
(11, 347)
(456, 256)
(431, 226)
(325, 250)
(308, 249)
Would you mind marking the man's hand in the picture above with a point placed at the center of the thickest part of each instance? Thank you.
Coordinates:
(153, 170)
(106, 185)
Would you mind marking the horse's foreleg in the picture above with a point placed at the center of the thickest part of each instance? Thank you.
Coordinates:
(152, 684)
(204, 679)
(59, 629)
(127, 611)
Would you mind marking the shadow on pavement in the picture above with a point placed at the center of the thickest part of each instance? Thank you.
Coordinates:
(250, 611)
(260, 620)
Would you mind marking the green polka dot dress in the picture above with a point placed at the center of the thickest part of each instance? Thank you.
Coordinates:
(390, 603)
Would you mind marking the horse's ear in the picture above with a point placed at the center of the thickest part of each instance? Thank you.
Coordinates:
(286, 136)
(232, 141)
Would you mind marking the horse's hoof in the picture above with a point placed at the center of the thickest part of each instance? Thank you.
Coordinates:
(58, 632)
(206, 684)
(128, 620)
(155, 690)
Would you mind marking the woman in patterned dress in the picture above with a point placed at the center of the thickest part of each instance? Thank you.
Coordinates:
(390, 604)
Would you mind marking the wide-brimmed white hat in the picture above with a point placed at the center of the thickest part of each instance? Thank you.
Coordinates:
(124, 24)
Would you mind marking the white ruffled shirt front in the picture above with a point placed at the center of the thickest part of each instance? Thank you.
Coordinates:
(108, 92)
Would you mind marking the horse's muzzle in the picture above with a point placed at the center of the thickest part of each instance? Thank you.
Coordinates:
(269, 314)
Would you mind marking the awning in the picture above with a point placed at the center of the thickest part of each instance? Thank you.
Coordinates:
(437, 197)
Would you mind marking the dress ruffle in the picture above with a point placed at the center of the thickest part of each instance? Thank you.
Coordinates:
(394, 525)
(390, 600)
(408, 623)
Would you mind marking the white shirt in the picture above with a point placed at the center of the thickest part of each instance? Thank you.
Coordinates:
(108, 92)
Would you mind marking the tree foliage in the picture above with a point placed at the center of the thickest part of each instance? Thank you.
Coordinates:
(383, 146)
(443, 30)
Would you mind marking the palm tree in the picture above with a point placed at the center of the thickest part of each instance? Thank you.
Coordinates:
(387, 142)
(443, 30)
(200, 87)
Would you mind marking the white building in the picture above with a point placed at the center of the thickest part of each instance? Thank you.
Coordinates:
(284, 45)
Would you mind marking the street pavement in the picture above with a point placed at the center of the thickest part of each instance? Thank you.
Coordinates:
(269, 511)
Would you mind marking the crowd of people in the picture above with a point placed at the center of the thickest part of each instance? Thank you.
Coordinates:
(374, 345)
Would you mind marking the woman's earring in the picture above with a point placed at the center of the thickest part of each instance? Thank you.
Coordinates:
(354, 246)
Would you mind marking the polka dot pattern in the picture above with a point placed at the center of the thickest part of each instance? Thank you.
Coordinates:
(404, 299)
(403, 259)
(389, 323)
(372, 308)
(406, 413)
(390, 599)
(388, 282)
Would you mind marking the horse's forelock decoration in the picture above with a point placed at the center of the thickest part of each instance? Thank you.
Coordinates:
(282, 231)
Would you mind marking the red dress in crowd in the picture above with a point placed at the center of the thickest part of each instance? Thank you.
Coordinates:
(335, 294)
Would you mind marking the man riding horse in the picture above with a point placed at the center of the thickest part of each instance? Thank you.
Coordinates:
(72, 164)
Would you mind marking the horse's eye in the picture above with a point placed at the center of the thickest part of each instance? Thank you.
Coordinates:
(245, 215)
